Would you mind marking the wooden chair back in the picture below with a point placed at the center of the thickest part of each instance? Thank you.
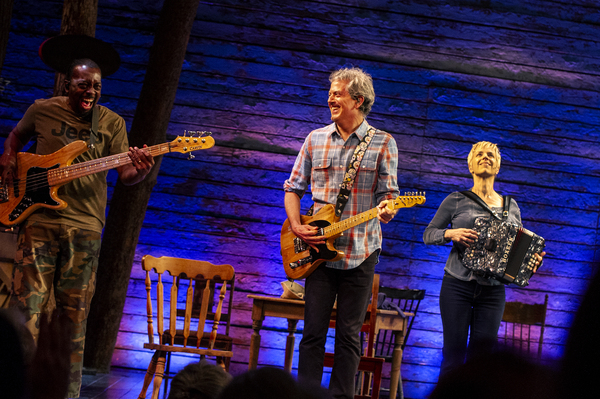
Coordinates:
(524, 326)
(192, 305)
(226, 309)
(408, 301)
(185, 274)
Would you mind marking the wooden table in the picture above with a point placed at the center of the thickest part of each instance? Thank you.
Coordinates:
(293, 310)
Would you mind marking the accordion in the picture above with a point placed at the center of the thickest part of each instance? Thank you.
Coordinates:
(504, 251)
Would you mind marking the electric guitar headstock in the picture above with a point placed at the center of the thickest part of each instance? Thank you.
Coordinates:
(408, 200)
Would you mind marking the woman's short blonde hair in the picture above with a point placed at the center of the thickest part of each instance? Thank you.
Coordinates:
(477, 146)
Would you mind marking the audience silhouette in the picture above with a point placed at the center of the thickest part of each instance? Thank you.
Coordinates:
(580, 363)
(201, 380)
(30, 372)
(270, 383)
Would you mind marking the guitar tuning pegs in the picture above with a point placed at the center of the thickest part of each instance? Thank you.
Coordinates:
(191, 156)
(197, 133)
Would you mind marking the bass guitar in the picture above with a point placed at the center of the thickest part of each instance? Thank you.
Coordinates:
(39, 176)
(300, 260)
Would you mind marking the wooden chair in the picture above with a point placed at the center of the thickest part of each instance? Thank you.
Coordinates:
(408, 301)
(179, 336)
(372, 365)
(224, 340)
(519, 318)
(368, 363)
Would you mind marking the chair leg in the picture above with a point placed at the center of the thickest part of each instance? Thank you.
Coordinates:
(400, 392)
(371, 368)
(366, 382)
(375, 378)
(158, 374)
(221, 362)
(360, 386)
(149, 375)
(167, 375)
(227, 360)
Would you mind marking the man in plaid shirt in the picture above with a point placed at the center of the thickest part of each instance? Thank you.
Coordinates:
(322, 162)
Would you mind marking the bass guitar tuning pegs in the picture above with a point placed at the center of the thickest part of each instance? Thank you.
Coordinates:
(197, 132)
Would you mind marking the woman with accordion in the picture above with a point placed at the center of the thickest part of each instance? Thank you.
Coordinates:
(470, 302)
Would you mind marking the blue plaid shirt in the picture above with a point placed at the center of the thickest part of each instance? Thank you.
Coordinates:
(322, 162)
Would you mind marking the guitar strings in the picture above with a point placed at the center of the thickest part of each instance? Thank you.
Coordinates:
(40, 180)
(365, 216)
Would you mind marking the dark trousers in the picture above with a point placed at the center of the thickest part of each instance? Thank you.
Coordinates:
(468, 306)
(353, 289)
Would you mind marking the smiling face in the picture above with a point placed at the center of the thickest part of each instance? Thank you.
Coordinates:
(84, 88)
(344, 109)
(484, 161)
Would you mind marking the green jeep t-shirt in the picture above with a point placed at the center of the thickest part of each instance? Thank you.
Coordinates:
(56, 125)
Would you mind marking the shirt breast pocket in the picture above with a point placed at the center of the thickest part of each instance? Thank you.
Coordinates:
(367, 173)
(320, 172)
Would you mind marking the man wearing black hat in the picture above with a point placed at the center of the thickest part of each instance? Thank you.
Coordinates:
(59, 249)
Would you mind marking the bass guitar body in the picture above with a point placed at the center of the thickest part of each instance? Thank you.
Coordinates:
(31, 189)
(299, 259)
(39, 176)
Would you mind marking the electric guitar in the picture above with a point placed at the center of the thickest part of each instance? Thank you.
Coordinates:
(39, 176)
(300, 260)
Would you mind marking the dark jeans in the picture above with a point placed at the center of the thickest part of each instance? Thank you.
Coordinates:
(353, 289)
(464, 306)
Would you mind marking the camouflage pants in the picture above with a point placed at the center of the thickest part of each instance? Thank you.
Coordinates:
(66, 259)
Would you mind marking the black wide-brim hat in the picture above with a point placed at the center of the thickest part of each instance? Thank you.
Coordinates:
(59, 52)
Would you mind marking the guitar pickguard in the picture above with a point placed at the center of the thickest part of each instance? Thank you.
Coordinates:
(324, 252)
(301, 262)
(37, 191)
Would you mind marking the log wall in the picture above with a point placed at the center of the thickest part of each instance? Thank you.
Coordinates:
(446, 74)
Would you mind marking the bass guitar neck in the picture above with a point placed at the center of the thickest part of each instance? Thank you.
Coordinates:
(39, 176)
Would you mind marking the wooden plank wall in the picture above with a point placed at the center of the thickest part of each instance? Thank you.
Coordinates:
(447, 74)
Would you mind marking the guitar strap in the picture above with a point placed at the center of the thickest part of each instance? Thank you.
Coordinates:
(476, 198)
(94, 132)
(352, 171)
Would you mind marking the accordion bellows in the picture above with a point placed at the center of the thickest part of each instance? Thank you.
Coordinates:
(504, 251)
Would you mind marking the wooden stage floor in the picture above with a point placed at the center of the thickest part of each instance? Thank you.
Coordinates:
(118, 384)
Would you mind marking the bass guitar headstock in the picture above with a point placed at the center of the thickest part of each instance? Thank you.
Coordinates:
(198, 140)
